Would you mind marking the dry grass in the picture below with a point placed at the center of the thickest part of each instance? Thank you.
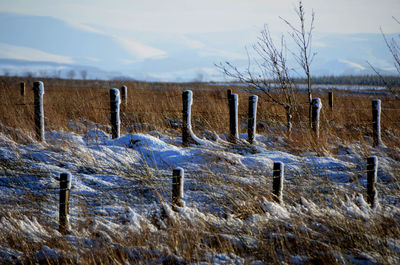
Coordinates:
(318, 229)
(158, 106)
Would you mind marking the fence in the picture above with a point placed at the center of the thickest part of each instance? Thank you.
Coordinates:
(170, 109)
(116, 112)
(177, 199)
(188, 138)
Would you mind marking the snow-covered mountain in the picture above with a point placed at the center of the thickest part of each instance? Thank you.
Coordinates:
(46, 45)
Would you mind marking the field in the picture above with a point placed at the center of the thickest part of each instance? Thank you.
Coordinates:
(120, 200)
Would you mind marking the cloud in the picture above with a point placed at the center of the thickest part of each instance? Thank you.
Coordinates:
(352, 64)
(191, 43)
(134, 48)
(83, 27)
(139, 50)
(28, 54)
(183, 16)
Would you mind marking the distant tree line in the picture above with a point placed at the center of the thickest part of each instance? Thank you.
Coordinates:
(373, 80)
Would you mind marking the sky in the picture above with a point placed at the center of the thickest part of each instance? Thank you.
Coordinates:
(184, 16)
(138, 26)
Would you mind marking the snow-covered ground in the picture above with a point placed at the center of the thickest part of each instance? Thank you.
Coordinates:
(123, 186)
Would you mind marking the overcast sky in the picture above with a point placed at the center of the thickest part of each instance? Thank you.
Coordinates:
(189, 16)
(213, 30)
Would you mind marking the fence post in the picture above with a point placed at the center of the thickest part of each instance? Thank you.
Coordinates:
(38, 90)
(372, 173)
(316, 108)
(178, 177)
(277, 184)
(233, 118)
(252, 119)
(376, 121)
(65, 186)
(289, 118)
(22, 89)
(115, 102)
(124, 94)
(229, 93)
(330, 99)
(188, 136)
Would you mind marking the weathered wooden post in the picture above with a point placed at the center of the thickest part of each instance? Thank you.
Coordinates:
(372, 173)
(115, 102)
(316, 109)
(38, 90)
(188, 136)
(376, 122)
(229, 93)
(22, 89)
(277, 183)
(330, 99)
(65, 186)
(289, 118)
(233, 118)
(124, 94)
(252, 119)
(177, 187)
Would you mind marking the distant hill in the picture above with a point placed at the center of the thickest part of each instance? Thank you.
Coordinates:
(48, 45)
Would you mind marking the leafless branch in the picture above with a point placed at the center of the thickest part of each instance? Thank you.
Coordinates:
(272, 73)
(302, 37)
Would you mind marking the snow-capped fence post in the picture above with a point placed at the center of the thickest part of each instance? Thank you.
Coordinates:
(65, 186)
(188, 136)
(330, 100)
(316, 109)
(124, 94)
(277, 183)
(372, 173)
(376, 121)
(233, 118)
(115, 102)
(177, 187)
(38, 90)
(22, 89)
(251, 123)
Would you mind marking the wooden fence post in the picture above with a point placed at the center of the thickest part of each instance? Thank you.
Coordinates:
(188, 136)
(330, 99)
(233, 118)
(22, 89)
(177, 187)
(229, 93)
(38, 90)
(65, 186)
(376, 122)
(316, 109)
(252, 119)
(187, 98)
(115, 102)
(277, 184)
(372, 174)
(124, 94)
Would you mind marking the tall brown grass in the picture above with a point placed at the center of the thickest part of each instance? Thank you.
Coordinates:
(158, 106)
(325, 234)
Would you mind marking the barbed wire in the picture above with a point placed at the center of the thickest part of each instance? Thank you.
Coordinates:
(126, 111)
(200, 99)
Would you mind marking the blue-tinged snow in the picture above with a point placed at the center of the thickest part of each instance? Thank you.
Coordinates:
(125, 183)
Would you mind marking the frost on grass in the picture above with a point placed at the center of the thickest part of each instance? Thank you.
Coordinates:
(121, 202)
